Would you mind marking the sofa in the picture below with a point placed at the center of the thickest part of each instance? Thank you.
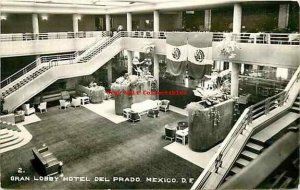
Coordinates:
(45, 162)
(144, 107)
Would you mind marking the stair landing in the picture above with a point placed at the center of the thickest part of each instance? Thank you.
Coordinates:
(275, 127)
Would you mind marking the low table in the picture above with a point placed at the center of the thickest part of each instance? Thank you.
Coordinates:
(84, 100)
(182, 135)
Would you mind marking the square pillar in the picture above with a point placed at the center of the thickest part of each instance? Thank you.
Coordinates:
(207, 19)
(129, 22)
(283, 16)
(235, 68)
(156, 68)
(75, 23)
(109, 73)
(35, 23)
(107, 23)
(156, 21)
(237, 18)
(129, 62)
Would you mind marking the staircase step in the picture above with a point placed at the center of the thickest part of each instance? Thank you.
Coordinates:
(3, 132)
(297, 103)
(242, 162)
(296, 109)
(236, 170)
(254, 147)
(11, 143)
(249, 155)
(274, 128)
(6, 136)
(12, 138)
(228, 177)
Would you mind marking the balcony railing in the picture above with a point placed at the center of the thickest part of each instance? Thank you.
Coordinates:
(256, 38)
(280, 39)
(51, 35)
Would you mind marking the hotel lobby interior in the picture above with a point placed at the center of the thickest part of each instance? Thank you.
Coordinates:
(149, 94)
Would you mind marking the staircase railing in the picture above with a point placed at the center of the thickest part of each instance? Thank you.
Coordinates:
(45, 59)
(248, 116)
(74, 58)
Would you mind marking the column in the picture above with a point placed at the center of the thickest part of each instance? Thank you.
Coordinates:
(129, 63)
(107, 23)
(207, 19)
(235, 80)
(156, 69)
(156, 21)
(237, 18)
(109, 73)
(283, 17)
(35, 25)
(75, 23)
(129, 22)
(37, 58)
(237, 25)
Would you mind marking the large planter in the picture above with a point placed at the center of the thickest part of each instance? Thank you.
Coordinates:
(209, 126)
(127, 94)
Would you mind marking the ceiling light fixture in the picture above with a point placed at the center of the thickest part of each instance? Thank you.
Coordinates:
(44, 17)
(3, 17)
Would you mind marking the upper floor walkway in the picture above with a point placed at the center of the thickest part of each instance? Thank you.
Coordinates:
(23, 44)
(268, 49)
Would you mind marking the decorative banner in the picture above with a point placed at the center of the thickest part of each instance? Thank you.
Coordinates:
(200, 48)
(199, 54)
(176, 51)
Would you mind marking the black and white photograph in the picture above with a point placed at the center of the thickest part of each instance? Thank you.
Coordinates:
(149, 94)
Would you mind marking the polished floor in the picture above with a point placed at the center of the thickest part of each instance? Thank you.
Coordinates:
(92, 146)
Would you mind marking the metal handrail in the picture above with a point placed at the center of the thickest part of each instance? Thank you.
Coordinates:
(246, 118)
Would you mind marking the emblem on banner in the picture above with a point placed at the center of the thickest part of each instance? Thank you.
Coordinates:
(199, 55)
(176, 53)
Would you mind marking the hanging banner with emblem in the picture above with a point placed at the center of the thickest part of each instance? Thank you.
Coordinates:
(176, 53)
(200, 48)
(199, 54)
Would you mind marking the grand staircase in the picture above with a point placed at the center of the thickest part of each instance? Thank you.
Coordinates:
(259, 128)
(35, 77)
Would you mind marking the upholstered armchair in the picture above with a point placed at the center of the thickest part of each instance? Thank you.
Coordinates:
(43, 107)
(165, 104)
(65, 95)
(76, 102)
(153, 113)
(134, 117)
(64, 104)
(28, 110)
(170, 132)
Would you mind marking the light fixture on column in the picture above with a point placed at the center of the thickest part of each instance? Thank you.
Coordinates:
(44, 17)
(3, 17)
(78, 17)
